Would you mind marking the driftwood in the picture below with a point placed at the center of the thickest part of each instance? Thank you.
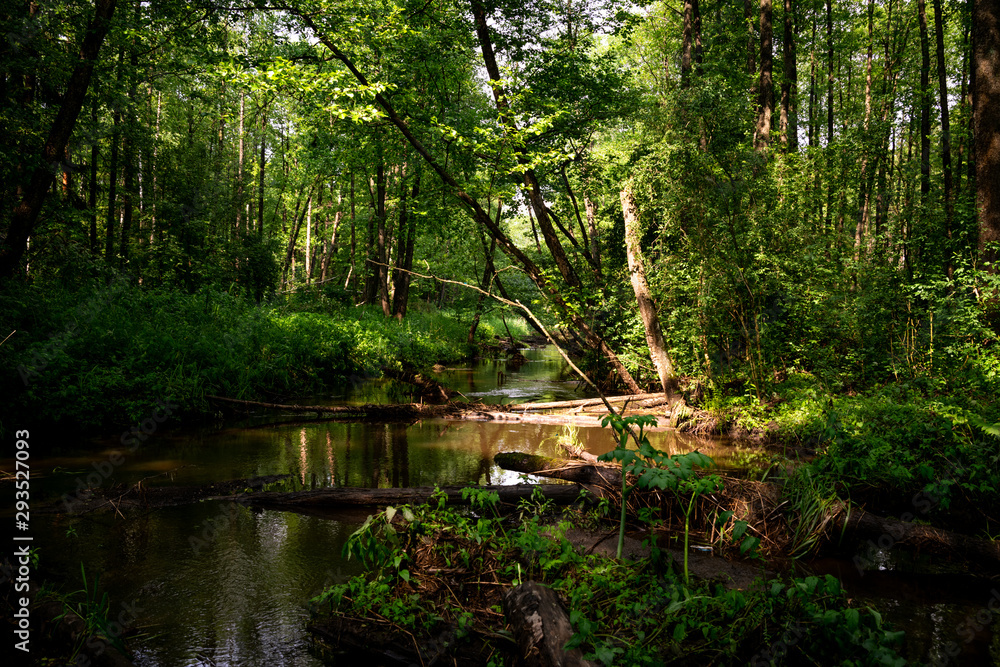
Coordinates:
(359, 497)
(541, 627)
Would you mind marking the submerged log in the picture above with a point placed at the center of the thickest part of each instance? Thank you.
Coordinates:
(541, 627)
(359, 497)
(120, 498)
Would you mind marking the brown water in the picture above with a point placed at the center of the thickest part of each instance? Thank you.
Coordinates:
(214, 583)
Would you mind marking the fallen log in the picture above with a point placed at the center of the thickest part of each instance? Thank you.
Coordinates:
(584, 402)
(429, 388)
(119, 498)
(404, 411)
(592, 420)
(374, 641)
(360, 497)
(541, 627)
(417, 411)
(600, 480)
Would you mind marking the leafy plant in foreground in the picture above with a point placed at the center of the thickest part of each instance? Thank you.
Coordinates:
(658, 470)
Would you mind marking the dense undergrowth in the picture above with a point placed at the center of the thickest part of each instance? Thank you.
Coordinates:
(91, 358)
(930, 434)
(436, 571)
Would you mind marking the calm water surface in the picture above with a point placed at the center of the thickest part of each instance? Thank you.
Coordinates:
(214, 583)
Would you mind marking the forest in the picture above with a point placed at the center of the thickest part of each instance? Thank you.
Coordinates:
(783, 217)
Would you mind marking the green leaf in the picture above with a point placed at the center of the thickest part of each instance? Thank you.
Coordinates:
(739, 529)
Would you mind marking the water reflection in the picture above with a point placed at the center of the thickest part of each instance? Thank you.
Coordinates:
(213, 582)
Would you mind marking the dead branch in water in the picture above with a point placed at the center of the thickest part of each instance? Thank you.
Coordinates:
(361, 497)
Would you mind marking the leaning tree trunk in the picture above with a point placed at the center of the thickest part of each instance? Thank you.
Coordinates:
(647, 309)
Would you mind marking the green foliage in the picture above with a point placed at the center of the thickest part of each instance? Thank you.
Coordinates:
(94, 609)
(102, 356)
(657, 470)
(630, 612)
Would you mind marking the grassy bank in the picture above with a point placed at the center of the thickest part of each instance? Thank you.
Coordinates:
(97, 358)
(883, 445)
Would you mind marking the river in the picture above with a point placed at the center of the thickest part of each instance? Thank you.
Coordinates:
(215, 583)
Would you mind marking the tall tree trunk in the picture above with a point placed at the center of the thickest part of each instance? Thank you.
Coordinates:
(131, 127)
(865, 182)
(489, 271)
(549, 235)
(986, 123)
(687, 43)
(945, 132)
(331, 245)
(698, 50)
(406, 237)
(153, 166)
(647, 309)
(308, 260)
(584, 239)
(829, 71)
(595, 246)
(95, 151)
(239, 162)
(293, 239)
(925, 108)
(765, 89)
(813, 92)
(965, 106)
(260, 183)
(354, 237)
(751, 42)
(789, 86)
(112, 217)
